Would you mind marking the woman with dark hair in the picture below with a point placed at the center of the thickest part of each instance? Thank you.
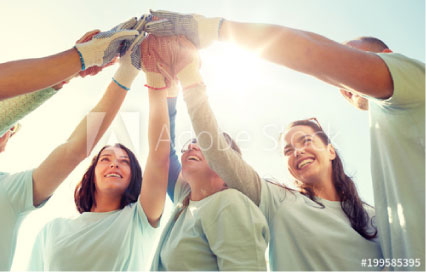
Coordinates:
(324, 226)
(118, 211)
(212, 227)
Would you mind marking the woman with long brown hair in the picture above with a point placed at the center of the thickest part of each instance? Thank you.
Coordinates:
(118, 212)
(322, 226)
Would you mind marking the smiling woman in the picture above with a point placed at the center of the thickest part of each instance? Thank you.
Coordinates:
(113, 178)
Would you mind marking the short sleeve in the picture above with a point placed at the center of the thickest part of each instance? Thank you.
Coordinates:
(18, 189)
(272, 196)
(408, 77)
(237, 232)
(147, 228)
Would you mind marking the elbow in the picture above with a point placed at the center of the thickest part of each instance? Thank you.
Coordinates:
(75, 155)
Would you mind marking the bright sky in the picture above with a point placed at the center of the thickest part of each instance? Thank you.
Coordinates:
(253, 99)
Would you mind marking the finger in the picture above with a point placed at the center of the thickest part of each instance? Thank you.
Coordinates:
(125, 35)
(160, 28)
(129, 24)
(140, 25)
(164, 72)
(162, 14)
(88, 36)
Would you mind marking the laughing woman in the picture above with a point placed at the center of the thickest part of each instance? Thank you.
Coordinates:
(118, 211)
(212, 227)
(324, 225)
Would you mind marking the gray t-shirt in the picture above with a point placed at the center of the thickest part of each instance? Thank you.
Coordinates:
(397, 127)
(16, 197)
(224, 231)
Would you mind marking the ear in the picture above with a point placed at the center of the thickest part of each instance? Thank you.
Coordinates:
(331, 152)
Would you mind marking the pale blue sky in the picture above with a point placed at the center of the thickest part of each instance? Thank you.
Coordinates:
(253, 99)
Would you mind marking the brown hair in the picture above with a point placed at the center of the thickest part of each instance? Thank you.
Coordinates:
(350, 201)
(84, 194)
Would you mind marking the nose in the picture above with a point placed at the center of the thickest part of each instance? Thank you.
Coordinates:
(113, 164)
(193, 147)
(298, 151)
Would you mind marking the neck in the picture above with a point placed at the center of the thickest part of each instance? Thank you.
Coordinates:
(324, 187)
(204, 186)
(106, 203)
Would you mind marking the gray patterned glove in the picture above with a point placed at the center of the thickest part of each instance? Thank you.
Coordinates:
(104, 46)
(201, 31)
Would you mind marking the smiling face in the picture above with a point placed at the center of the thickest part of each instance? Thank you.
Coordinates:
(309, 159)
(112, 171)
(193, 161)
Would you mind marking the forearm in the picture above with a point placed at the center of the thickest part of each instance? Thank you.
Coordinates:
(293, 48)
(313, 54)
(174, 165)
(16, 108)
(154, 186)
(23, 76)
(62, 161)
(158, 128)
(222, 159)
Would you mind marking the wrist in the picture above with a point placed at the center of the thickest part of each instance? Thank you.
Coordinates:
(155, 81)
(190, 76)
(125, 76)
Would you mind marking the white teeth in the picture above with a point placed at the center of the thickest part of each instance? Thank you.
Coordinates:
(193, 158)
(113, 175)
(304, 163)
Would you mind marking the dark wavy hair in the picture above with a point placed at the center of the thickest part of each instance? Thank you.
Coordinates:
(84, 194)
(350, 201)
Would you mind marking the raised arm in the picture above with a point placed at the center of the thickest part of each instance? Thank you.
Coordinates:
(227, 163)
(14, 109)
(154, 185)
(28, 75)
(303, 51)
(62, 161)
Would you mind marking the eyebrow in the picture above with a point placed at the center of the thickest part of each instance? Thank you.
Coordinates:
(298, 139)
(109, 155)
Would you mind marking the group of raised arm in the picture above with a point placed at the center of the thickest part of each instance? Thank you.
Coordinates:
(225, 215)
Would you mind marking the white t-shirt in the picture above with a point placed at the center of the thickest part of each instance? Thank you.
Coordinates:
(117, 240)
(224, 231)
(397, 127)
(306, 236)
(16, 197)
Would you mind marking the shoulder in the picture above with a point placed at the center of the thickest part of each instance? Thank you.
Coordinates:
(231, 197)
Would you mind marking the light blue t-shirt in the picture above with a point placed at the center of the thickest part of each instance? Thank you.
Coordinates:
(117, 240)
(306, 236)
(397, 127)
(224, 231)
(16, 197)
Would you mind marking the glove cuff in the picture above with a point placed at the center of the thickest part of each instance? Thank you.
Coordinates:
(208, 29)
(190, 75)
(88, 56)
(155, 81)
(124, 76)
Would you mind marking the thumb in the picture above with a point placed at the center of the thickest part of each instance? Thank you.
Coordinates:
(163, 70)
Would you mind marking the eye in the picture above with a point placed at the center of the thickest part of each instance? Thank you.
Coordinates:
(287, 152)
(104, 159)
(125, 162)
(307, 140)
